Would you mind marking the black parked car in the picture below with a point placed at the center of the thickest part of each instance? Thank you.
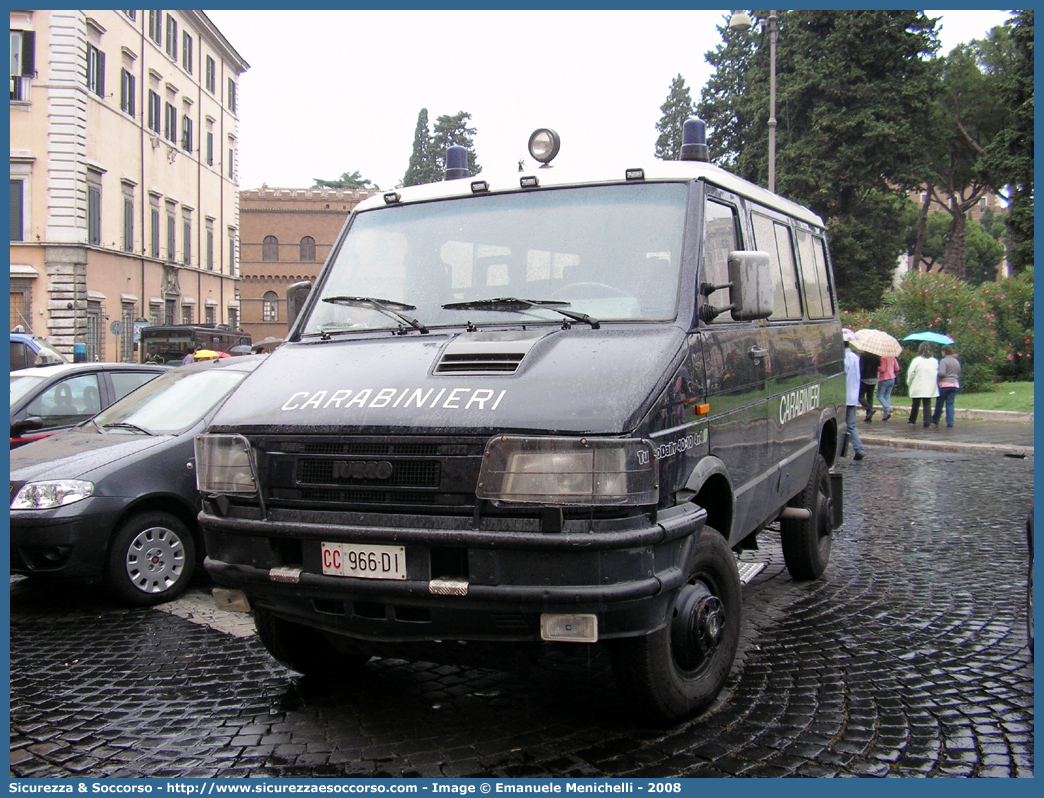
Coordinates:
(49, 399)
(115, 498)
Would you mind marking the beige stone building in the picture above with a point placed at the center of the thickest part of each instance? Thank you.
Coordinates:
(124, 199)
(286, 235)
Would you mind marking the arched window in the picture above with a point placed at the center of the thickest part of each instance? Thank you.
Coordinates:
(308, 248)
(270, 248)
(270, 311)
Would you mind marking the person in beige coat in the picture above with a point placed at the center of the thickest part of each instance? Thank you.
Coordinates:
(922, 379)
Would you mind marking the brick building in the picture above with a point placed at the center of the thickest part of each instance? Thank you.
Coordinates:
(124, 148)
(285, 236)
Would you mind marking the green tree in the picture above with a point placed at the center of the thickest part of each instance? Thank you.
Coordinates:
(854, 89)
(677, 108)
(1009, 157)
(421, 168)
(968, 116)
(353, 180)
(454, 130)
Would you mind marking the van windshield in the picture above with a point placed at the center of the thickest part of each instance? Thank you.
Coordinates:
(610, 252)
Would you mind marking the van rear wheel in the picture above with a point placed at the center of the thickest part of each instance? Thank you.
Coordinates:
(302, 648)
(807, 543)
(678, 671)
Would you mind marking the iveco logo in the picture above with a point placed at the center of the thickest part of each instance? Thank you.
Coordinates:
(362, 469)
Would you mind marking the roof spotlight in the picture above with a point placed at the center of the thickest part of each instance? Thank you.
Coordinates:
(544, 145)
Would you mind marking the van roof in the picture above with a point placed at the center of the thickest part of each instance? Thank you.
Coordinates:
(563, 175)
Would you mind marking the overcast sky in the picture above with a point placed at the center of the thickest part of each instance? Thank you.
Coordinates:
(330, 92)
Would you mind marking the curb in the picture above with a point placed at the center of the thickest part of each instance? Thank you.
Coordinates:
(979, 415)
(1006, 450)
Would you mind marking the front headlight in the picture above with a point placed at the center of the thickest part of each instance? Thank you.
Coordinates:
(224, 464)
(575, 471)
(51, 493)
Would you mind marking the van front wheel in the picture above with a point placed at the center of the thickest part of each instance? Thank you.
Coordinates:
(806, 543)
(678, 671)
(303, 649)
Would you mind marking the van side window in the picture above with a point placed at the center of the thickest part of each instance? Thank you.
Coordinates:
(720, 237)
(814, 275)
(775, 239)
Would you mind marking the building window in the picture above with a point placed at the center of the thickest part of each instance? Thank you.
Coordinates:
(231, 95)
(128, 218)
(270, 308)
(127, 92)
(172, 37)
(308, 248)
(233, 317)
(155, 314)
(23, 62)
(94, 332)
(210, 315)
(210, 148)
(270, 248)
(94, 207)
(171, 231)
(186, 229)
(231, 167)
(210, 245)
(127, 339)
(232, 251)
(211, 75)
(95, 70)
(186, 51)
(154, 111)
(131, 14)
(17, 210)
(170, 306)
(154, 231)
(186, 314)
(170, 125)
(186, 133)
(156, 26)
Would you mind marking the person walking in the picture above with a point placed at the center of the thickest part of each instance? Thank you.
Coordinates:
(852, 390)
(949, 385)
(923, 379)
(868, 366)
(886, 374)
(190, 358)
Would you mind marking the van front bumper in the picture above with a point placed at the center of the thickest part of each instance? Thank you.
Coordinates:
(503, 581)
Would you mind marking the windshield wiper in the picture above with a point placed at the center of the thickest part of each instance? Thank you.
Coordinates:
(127, 425)
(388, 307)
(510, 303)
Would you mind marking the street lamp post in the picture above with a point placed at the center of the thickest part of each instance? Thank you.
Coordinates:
(741, 21)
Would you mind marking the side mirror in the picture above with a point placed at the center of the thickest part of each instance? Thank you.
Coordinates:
(27, 424)
(296, 295)
(751, 289)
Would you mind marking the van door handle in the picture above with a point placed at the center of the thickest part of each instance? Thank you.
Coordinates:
(756, 353)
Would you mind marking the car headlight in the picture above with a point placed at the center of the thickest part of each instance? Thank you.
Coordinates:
(51, 493)
(573, 471)
(224, 464)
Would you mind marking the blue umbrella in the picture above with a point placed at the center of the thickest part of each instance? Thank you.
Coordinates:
(930, 337)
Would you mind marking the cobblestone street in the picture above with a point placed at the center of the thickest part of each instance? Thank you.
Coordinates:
(908, 657)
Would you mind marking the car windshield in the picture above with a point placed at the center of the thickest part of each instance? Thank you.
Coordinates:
(172, 402)
(610, 252)
(23, 385)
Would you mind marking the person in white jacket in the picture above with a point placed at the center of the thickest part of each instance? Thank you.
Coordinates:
(922, 379)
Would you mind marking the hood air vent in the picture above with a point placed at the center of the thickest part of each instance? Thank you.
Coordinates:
(487, 352)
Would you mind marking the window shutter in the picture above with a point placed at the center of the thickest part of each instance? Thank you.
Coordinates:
(16, 210)
(28, 53)
(101, 74)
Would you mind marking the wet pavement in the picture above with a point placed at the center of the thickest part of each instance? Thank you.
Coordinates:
(908, 657)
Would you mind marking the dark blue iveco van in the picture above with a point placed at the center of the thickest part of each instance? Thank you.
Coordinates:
(544, 407)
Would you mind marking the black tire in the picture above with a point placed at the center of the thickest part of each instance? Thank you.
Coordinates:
(678, 671)
(151, 560)
(806, 544)
(302, 648)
